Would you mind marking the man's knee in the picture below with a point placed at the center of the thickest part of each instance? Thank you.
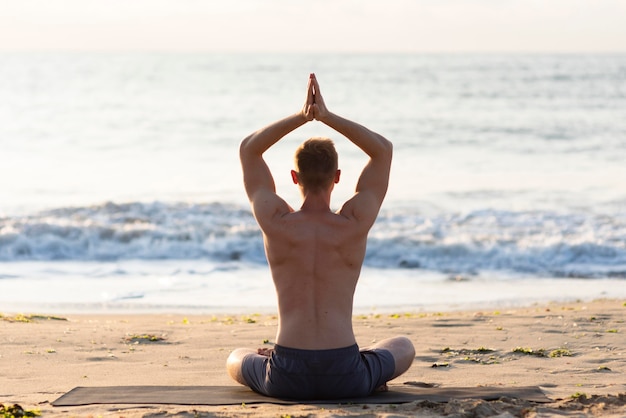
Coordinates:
(234, 363)
(406, 345)
(406, 353)
(402, 350)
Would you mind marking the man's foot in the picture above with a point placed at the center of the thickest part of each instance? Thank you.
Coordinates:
(382, 388)
(265, 351)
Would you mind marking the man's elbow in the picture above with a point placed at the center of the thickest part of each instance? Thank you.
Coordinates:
(244, 147)
(386, 147)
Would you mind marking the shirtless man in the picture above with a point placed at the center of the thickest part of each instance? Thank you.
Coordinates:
(315, 257)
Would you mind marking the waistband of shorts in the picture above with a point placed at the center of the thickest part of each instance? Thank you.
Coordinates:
(331, 353)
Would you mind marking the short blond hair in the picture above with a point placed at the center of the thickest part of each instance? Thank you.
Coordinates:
(316, 162)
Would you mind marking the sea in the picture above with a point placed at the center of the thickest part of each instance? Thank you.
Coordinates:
(121, 189)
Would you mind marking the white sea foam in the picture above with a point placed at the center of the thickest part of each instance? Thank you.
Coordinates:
(538, 243)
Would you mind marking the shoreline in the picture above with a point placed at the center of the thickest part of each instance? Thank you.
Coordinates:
(133, 308)
(207, 290)
(573, 351)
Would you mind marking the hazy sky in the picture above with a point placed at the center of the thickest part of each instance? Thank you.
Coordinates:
(320, 25)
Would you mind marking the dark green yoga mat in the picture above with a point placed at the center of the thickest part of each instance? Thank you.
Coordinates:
(235, 395)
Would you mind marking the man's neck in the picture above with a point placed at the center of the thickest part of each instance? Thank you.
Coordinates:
(316, 202)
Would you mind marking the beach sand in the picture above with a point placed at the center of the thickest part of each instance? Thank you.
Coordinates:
(576, 352)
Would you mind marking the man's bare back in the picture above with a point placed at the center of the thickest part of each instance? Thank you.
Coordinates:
(315, 257)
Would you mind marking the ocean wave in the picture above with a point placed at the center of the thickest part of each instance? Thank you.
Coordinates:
(527, 242)
(132, 231)
(540, 243)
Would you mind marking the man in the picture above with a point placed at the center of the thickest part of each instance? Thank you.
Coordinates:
(315, 258)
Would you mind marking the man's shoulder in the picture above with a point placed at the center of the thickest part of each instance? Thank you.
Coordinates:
(267, 207)
(362, 208)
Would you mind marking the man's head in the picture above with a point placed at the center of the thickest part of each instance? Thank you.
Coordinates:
(316, 165)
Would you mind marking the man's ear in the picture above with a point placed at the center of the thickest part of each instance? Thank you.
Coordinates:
(337, 175)
(294, 177)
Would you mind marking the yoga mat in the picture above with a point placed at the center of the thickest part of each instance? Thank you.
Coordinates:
(236, 395)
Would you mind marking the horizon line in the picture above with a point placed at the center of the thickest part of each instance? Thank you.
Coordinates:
(313, 52)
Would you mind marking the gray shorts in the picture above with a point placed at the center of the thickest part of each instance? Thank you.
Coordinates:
(291, 373)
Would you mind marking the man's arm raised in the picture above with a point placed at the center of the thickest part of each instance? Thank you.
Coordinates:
(256, 174)
(257, 177)
(374, 180)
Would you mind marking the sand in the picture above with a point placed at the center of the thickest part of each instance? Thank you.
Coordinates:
(576, 352)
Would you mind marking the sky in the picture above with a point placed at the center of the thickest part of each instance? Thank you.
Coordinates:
(314, 26)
